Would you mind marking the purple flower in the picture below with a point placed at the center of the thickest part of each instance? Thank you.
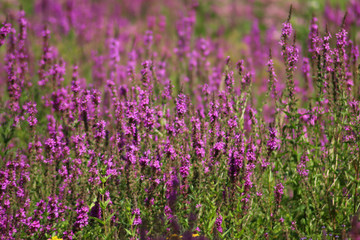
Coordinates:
(185, 166)
(148, 38)
(4, 31)
(279, 192)
(301, 167)
(273, 142)
(218, 223)
(235, 164)
(293, 57)
(285, 33)
(114, 52)
(272, 78)
(184, 29)
(229, 81)
(341, 37)
(181, 104)
(137, 220)
(75, 87)
(168, 212)
(100, 130)
(214, 111)
(314, 41)
(251, 153)
(30, 108)
(82, 215)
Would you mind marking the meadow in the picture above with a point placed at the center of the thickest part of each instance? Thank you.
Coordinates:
(154, 119)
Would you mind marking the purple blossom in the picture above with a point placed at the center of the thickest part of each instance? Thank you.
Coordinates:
(273, 143)
(82, 215)
(314, 40)
(181, 104)
(286, 31)
(292, 56)
(279, 192)
(218, 223)
(100, 130)
(272, 78)
(229, 81)
(30, 108)
(301, 167)
(148, 38)
(214, 111)
(341, 37)
(235, 164)
(4, 31)
(251, 153)
(185, 166)
(137, 220)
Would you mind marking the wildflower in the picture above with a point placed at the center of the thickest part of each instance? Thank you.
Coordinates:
(184, 29)
(272, 78)
(235, 164)
(285, 33)
(293, 57)
(137, 220)
(148, 38)
(341, 37)
(185, 166)
(55, 238)
(279, 192)
(100, 130)
(4, 31)
(181, 104)
(301, 168)
(229, 81)
(82, 215)
(314, 40)
(214, 111)
(272, 143)
(218, 223)
(30, 108)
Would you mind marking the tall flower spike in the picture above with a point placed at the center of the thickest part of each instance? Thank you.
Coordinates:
(44, 58)
(272, 143)
(82, 215)
(341, 42)
(22, 55)
(306, 71)
(285, 33)
(314, 40)
(279, 192)
(272, 77)
(218, 223)
(181, 104)
(30, 108)
(292, 55)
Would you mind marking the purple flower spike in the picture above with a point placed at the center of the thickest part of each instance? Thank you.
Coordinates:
(279, 192)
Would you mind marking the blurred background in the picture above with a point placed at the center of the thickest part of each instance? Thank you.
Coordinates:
(83, 31)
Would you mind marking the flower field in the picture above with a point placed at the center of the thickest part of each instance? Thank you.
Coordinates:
(154, 119)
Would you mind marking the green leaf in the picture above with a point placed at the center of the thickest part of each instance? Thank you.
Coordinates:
(225, 233)
(211, 223)
(109, 218)
(128, 232)
(98, 220)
